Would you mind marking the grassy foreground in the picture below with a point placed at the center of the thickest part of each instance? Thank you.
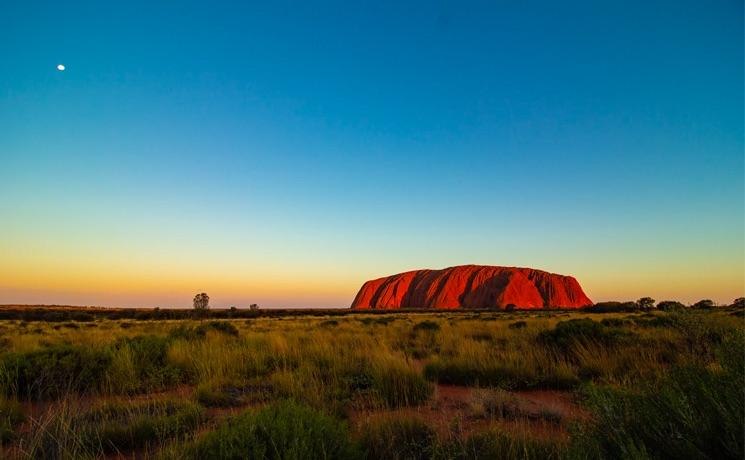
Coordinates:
(459, 385)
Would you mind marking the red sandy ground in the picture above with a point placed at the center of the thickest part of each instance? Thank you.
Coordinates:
(449, 411)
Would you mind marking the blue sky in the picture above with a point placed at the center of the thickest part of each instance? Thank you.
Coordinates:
(284, 153)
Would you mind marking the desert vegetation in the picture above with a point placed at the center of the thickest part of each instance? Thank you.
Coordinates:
(644, 383)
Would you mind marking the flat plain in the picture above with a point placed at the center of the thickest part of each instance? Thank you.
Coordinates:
(399, 385)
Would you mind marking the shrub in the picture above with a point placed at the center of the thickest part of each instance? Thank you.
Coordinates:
(670, 305)
(53, 371)
(612, 307)
(398, 437)
(585, 331)
(517, 325)
(284, 430)
(705, 304)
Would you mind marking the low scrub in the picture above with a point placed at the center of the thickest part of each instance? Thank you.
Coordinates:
(285, 430)
(696, 412)
(53, 371)
(584, 331)
(141, 364)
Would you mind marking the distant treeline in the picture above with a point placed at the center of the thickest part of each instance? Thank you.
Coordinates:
(55, 313)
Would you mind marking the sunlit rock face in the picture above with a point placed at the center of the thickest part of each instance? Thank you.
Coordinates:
(472, 286)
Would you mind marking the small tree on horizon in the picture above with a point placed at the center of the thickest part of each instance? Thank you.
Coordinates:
(201, 301)
(645, 303)
(704, 304)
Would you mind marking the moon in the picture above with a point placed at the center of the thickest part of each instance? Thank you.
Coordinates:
(60, 67)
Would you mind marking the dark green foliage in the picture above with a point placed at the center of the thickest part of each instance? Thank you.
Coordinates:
(705, 304)
(329, 323)
(517, 325)
(586, 331)
(53, 371)
(645, 303)
(426, 325)
(286, 431)
(11, 415)
(670, 305)
(738, 302)
(399, 438)
(612, 307)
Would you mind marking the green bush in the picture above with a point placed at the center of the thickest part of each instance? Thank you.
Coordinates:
(53, 371)
(585, 331)
(399, 437)
(517, 325)
(670, 305)
(285, 430)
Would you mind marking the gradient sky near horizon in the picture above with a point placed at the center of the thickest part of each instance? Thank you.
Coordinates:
(283, 153)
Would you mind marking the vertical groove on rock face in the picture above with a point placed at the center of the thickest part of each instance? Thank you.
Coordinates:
(472, 286)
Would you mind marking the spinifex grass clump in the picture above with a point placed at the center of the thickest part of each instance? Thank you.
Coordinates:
(496, 444)
(141, 364)
(11, 416)
(696, 412)
(286, 431)
(69, 432)
(399, 437)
